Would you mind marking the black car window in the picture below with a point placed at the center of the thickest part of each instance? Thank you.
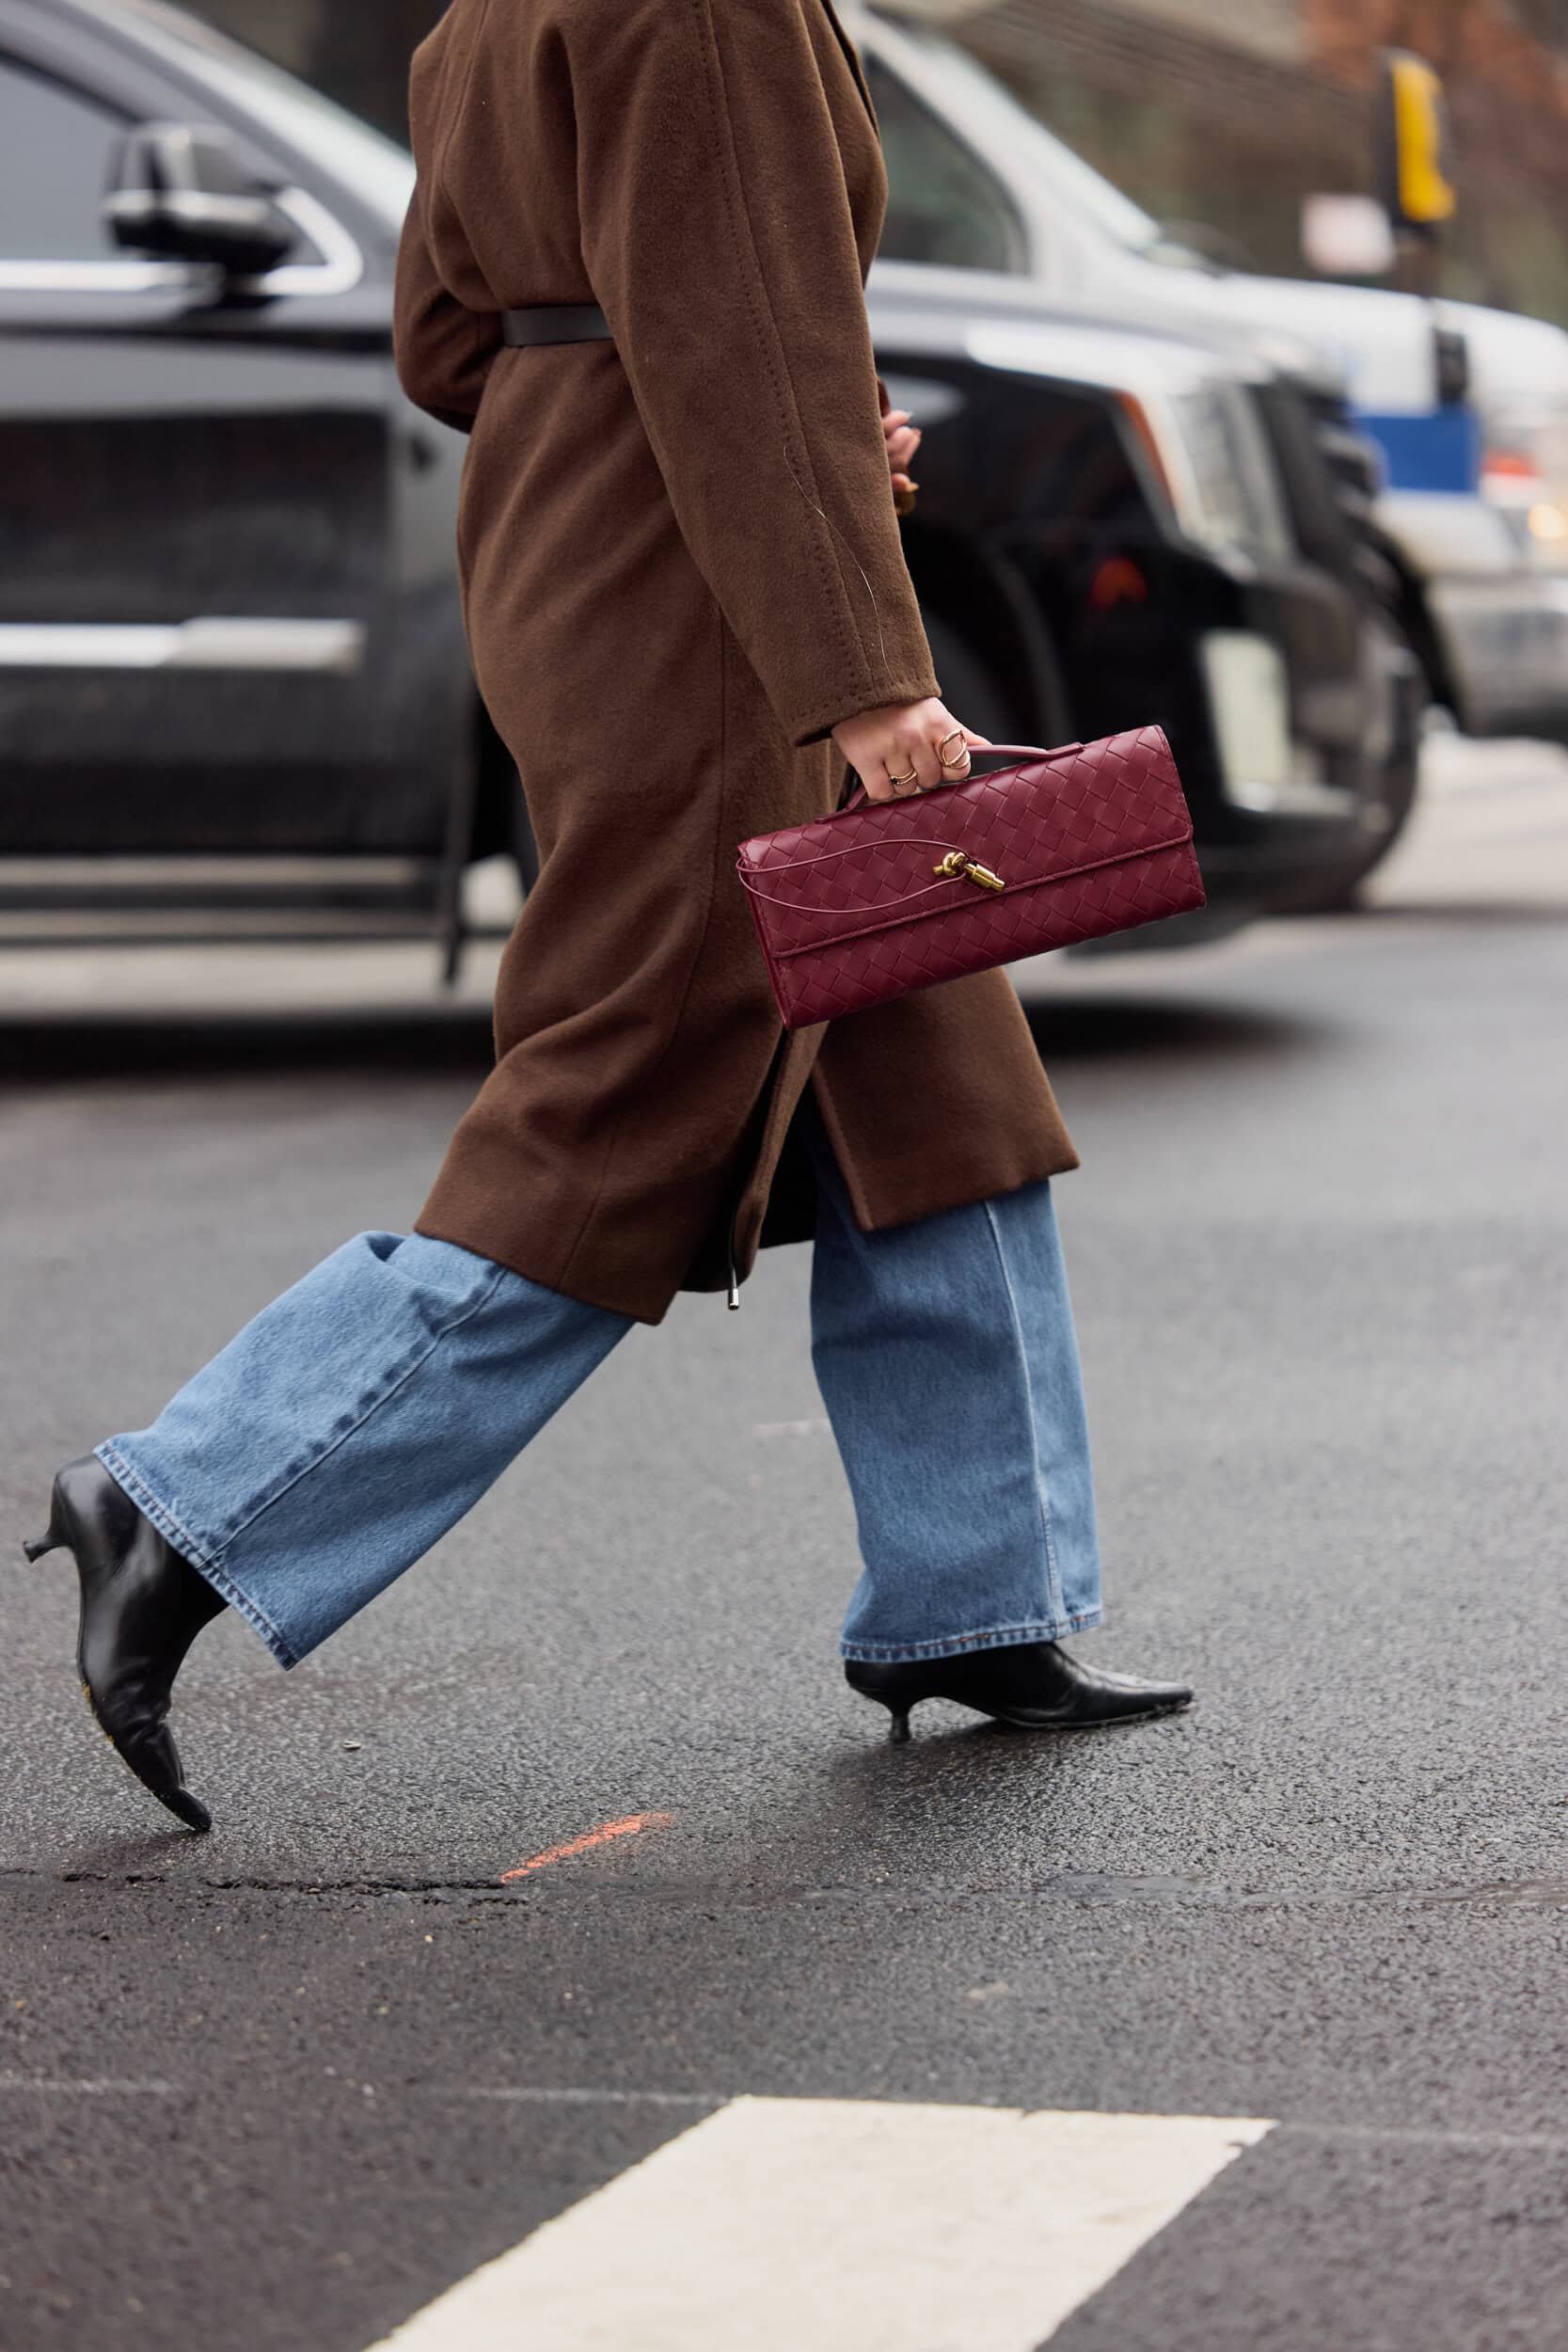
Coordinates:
(943, 206)
(56, 154)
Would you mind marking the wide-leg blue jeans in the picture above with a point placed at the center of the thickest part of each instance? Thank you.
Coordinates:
(354, 1421)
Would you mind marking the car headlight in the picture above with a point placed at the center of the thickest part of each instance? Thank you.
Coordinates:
(1524, 478)
(1204, 442)
(1211, 456)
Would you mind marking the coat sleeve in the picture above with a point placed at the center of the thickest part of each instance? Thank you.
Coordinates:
(443, 349)
(718, 238)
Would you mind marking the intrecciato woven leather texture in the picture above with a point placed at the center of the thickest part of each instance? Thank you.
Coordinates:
(1089, 840)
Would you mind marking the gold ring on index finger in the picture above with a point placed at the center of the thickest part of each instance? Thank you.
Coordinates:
(958, 757)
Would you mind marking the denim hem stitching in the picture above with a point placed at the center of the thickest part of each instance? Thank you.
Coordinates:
(1053, 1576)
(207, 1563)
(219, 1577)
(995, 1637)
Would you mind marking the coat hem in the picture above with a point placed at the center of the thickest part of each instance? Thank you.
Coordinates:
(871, 1217)
(643, 1305)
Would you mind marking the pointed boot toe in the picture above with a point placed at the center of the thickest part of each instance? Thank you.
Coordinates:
(185, 1806)
(142, 1606)
(146, 1745)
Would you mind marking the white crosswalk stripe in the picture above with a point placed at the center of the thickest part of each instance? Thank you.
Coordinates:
(842, 2226)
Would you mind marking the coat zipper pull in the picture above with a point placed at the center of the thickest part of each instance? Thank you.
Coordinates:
(733, 1299)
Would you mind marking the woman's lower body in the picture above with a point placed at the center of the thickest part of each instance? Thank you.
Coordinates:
(356, 1418)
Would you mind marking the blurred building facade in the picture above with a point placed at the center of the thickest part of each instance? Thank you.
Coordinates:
(1212, 115)
(1224, 118)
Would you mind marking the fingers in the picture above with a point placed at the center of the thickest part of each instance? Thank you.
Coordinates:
(902, 438)
(883, 788)
(914, 764)
(928, 767)
(953, 749)
(899, 779)
(905, 748)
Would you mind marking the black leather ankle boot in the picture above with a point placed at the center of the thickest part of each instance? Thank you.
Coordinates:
(1032, 1684)
(143, 1605)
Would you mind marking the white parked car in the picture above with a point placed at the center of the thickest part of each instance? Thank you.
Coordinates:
(1473, 507)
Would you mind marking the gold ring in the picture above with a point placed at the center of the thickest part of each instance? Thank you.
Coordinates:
(913, 777)
(959, 755)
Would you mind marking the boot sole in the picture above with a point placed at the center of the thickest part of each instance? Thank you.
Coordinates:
(900, 1733)
(1089, 1723)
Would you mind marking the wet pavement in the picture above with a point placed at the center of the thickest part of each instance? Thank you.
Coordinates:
(280, 2087)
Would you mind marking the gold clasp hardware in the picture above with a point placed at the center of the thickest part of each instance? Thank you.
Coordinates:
(954, 867)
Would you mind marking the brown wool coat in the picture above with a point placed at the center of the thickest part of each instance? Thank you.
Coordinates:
(681, 567)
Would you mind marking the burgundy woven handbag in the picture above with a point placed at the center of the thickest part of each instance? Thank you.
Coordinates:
(890, 895)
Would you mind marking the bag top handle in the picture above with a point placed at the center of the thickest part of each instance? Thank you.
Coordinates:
(860, 798)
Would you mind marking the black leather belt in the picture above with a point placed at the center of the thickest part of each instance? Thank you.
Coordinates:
(555, 322)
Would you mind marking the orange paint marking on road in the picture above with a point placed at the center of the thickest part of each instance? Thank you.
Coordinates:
(628, 1828)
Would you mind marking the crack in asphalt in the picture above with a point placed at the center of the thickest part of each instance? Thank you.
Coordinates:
(1544, 1893)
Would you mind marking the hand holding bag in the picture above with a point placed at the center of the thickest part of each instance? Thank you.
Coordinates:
(890, 895)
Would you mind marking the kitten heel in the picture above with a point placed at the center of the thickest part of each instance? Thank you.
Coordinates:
(52, 1538)
(897, 1688)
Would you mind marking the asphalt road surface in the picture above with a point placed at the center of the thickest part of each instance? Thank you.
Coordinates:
(285, 2086)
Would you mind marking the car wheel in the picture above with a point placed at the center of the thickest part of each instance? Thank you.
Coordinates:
(1400, 781)
(1342, 894)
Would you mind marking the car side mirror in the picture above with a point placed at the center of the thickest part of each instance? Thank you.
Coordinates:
(185, 193)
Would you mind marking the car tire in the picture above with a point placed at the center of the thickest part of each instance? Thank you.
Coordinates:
(1339, 892)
